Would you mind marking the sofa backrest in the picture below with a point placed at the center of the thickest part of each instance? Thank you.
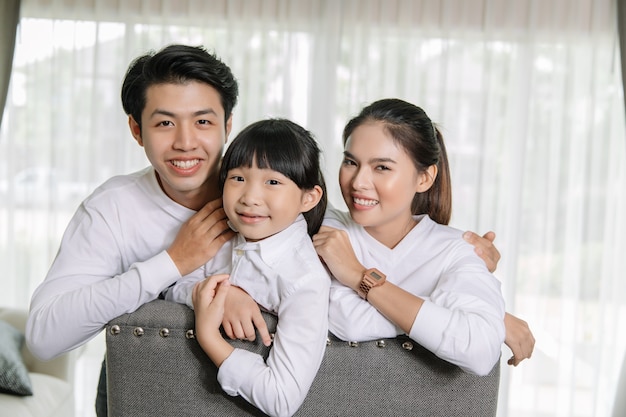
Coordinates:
(156, 367)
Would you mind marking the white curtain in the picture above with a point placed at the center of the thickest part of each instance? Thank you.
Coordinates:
(528, 94)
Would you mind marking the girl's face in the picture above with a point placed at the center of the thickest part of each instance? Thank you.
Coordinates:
(262, 202)
(378, 181)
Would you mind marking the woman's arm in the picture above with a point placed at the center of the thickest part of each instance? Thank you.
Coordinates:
(463, 323)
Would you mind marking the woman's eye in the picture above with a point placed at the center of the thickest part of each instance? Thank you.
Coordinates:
(348, 162)
(382, 168)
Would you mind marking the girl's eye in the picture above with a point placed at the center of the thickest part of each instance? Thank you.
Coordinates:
(238, 178)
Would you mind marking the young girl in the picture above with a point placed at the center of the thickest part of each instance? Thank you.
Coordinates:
(399, 269)
(274, 196)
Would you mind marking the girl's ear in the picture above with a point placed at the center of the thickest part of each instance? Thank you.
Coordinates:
(426, 179)
(310, 198)
(135, 130)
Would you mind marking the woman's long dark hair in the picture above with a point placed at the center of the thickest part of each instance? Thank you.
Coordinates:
(283, 146)
(411, 128)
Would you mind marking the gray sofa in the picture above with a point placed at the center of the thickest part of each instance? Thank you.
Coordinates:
(155, 367)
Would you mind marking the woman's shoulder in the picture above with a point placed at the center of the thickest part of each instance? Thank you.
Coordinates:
(337, 218)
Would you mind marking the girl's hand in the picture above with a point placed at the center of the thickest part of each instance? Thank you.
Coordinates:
(484, 247)
(241, 315)
(518, 338)
(334, 247)
(208, 299)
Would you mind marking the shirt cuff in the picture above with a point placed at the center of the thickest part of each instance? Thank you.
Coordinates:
(429, 325)
(236, 369)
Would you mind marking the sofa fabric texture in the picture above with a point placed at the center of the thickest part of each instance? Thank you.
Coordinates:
(14, 377)
(156, 367)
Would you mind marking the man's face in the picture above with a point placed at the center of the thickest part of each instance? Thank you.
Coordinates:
(183, 133)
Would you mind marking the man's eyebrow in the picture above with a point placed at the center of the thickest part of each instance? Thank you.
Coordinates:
(167, 113)
(373, 160)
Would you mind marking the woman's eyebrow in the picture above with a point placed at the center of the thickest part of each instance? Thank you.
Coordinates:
(372, 160)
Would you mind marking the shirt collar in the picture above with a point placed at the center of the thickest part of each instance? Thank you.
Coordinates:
(272, 248)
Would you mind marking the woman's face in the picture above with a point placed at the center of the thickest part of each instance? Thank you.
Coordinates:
(378, 181)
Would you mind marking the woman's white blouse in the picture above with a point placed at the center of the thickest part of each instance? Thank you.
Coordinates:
(462, 318)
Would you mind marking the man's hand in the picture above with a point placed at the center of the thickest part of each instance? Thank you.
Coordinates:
(484, 247)
(518, 338)
(241, 315)
(200, 237)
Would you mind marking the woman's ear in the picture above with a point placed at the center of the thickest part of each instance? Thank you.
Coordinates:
(426, 179)
(310, 198)
(135, 130)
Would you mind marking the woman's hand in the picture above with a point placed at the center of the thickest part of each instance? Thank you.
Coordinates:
(208, 299)
(484, 247)
(518, 338)
(334, 247)
(241, 315)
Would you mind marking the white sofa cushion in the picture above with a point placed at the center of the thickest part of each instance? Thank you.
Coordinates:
(52, 397)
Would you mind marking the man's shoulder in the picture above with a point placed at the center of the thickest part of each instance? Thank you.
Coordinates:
(122, 185)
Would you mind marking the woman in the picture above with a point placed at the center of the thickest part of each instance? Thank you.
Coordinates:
(398, 267)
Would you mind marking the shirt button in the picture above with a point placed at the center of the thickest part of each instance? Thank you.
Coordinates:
(239, 252)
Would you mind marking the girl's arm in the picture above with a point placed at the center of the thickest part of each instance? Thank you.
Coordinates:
(279, 385)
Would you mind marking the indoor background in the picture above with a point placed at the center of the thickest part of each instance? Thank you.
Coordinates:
(528, 94)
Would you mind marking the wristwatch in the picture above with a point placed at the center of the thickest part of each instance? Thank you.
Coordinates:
(371, 278)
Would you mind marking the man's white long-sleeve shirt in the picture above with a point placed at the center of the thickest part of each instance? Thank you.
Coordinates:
(462, 318)
(284, 275)
(112, 259)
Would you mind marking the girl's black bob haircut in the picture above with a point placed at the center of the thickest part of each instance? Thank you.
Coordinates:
(283, 146)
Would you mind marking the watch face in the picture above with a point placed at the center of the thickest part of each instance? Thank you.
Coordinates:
(375, 275)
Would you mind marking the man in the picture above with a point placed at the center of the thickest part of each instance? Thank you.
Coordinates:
(138, 234)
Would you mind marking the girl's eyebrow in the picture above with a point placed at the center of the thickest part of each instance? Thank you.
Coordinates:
(371, 161)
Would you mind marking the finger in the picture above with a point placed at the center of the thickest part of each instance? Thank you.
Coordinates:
(261, 326)
(248, 331)
(210, 207)
(237, 330)
(490, 236)
(222, 290)
(228, 329)
(470, 237)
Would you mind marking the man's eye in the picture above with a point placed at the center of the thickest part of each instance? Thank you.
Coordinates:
(204, 122)
(166, 123)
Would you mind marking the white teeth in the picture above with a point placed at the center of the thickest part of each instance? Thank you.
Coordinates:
(185, 164)
(363, 202)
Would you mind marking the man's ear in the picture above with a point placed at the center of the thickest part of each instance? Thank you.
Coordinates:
(135, 130)
(229, 126)
(426, 179)
(310, 198)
